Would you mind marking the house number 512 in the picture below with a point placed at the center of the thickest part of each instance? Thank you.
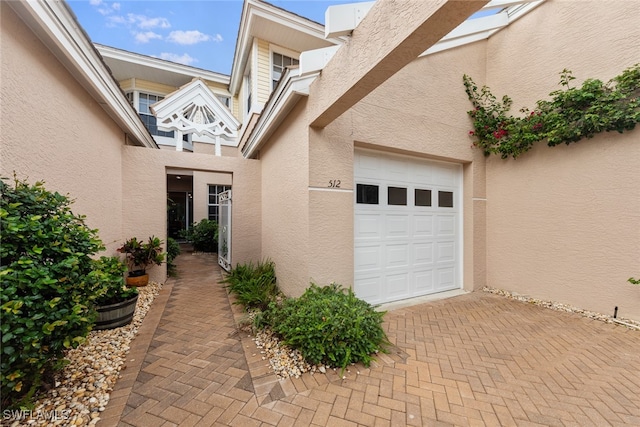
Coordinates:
(334, 183)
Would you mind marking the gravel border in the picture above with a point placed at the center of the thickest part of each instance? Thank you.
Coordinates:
(82, 388)
(631, 324)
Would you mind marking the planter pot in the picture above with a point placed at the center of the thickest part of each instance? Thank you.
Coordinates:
(116, 315)
(138, 280)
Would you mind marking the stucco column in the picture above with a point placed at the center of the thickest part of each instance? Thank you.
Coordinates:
(475, 223)
(331, 206)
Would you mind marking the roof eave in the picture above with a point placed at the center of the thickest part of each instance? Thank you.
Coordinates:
(285, 96)
(55, 25)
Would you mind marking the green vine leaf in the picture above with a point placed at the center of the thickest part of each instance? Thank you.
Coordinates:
(572, 114)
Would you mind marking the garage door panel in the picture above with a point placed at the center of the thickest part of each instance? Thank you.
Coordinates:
(368, 226)
(422, 253)
(396, 171)
(445, 279)
(423, 281)
(423, 225)
(369, 289)
(445, 225)
(396, 226)
(368, 258)
(445, 251)
(397, 255)
(397, 286)
(367, 166)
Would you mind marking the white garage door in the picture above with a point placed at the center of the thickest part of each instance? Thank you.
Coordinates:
(407, 227)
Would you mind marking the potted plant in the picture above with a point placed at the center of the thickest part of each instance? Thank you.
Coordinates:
(139, 256)
(114, 302)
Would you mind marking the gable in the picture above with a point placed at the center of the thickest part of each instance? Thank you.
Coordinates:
(195, 109)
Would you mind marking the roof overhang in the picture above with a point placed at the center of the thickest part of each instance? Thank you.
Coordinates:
(290, 90)
(278, 26)
(55, 25)
(125, 65)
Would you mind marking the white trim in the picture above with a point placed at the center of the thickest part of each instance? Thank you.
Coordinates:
(286, 95)
(161, 64)
(334, 190)
(256, 8)
(281, 51)
(55, 25)
(315, 60)
(342, 19)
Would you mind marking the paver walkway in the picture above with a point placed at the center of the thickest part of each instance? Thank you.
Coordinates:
(473, 360)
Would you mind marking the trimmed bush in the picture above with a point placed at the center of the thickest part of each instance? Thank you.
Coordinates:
(253, 285)
(329, 325)
(173, 250)
(203, 235)
(46, 296)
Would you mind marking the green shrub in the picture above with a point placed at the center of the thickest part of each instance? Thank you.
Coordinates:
(173, 250)
(329, 325)
(253, 285)
(46, 299)
(107, 277)
(203, 235)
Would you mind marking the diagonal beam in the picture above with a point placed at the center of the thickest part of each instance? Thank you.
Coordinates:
(394, 33)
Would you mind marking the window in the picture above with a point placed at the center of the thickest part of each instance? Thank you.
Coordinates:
(422, 197)
(445, 199)
(248, 86)
(145, 100)
(214, 200)
(280, 62)
(397, 196)
(224, 99)
(367, 194)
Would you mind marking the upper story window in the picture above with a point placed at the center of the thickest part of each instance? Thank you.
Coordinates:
(145, 100)
(280, 62)
(249, 85)
(225, 100)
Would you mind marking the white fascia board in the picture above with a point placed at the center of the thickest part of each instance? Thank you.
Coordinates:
(470, 31)
(341, 20)
(250, 11)
(286, 96)
(56, 27)
(161, 64)
(312, 61)
(501, 4)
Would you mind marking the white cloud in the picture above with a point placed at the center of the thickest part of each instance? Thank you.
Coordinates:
(95, 2)
(217, 38)
(142, 21)
(146, 37)
(115, 6)
(185, 59)
(188, 37)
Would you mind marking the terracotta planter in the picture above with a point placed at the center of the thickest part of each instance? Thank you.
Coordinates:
(138, 280)
(116, 315)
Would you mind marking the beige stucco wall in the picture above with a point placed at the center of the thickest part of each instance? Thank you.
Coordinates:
(409, 114)
(144, 202)
(564, 222)
(53, 130)
(285, 202)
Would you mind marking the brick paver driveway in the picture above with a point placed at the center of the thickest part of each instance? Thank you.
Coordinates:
(473, 360)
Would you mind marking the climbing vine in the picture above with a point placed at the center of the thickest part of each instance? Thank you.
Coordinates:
(573, 113)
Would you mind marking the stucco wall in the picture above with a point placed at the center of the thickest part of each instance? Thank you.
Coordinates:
(412, 114)
(564, 222)
(145, 198)
(285, 202)
(52, 130)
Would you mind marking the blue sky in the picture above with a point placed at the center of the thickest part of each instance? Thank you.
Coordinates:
(200, 33)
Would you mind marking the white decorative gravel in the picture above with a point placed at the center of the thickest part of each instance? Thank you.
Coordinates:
(82, 388)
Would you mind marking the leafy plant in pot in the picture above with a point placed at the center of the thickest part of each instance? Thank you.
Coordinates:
(141, 255)
(114, 302)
